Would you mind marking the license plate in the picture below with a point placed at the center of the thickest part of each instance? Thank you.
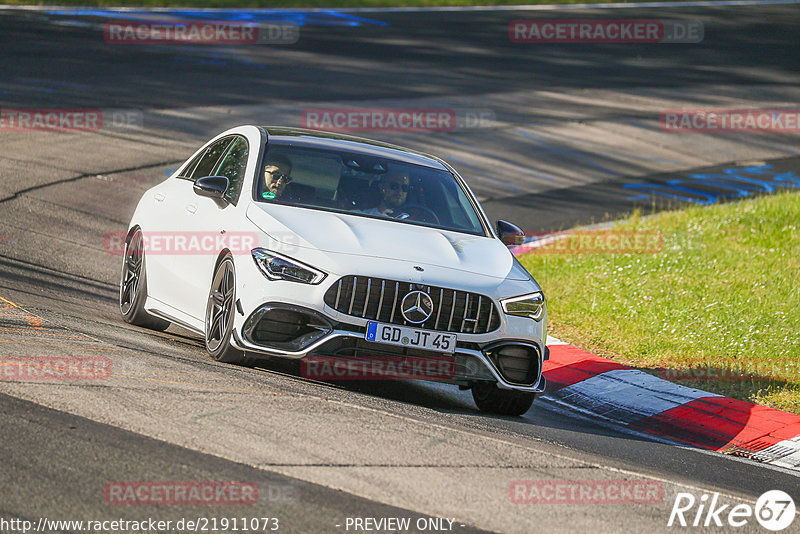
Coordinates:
(405, 336)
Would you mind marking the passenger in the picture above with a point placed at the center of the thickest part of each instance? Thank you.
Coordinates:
(276, 176)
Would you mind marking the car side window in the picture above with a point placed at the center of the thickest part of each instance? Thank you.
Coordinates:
(233, 167)
(187, 171)
(211, 157)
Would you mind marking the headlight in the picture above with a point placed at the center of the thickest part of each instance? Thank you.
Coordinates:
(531, 305)
(276, 267)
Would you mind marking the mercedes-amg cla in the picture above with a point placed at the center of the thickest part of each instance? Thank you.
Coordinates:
(278, 242)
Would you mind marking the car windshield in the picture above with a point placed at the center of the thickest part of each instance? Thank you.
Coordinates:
(366, 186)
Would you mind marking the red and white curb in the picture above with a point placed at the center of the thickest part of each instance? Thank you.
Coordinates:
(647, 404)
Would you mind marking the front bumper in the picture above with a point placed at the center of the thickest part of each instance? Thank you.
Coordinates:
(289, 330)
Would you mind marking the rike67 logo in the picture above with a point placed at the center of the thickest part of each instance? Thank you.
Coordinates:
(774, 510)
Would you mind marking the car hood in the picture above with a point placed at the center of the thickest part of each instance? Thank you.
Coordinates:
(352, 235)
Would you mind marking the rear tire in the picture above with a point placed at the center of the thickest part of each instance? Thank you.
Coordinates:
(133, 286)
(219, 316)
(491, 399)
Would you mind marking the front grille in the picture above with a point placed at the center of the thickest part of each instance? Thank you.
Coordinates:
(378, 299)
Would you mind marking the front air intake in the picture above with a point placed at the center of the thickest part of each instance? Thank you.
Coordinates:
(285, 327)
(280, 326)
(517, 363)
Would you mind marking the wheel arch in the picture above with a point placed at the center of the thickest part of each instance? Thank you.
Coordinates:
(224, 253)
(132, 230)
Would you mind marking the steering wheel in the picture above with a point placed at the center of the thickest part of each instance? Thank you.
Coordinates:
(415, 212)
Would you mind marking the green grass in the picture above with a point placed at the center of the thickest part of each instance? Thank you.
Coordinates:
(723, 294)
(293, 3)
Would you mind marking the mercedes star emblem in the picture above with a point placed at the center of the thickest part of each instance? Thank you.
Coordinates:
(416, 307)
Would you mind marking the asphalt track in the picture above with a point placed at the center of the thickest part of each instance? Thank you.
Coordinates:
(321, 453)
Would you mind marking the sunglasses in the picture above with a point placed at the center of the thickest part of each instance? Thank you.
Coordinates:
(394, 186)
(279, 176)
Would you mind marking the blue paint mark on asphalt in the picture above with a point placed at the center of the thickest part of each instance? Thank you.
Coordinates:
(322, 17)
(672, 191)
(731, 182)
(733, 190)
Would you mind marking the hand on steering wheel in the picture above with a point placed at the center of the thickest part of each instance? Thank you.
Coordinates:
(415, 212)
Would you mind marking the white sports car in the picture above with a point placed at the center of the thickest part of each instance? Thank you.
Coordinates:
(301, 244)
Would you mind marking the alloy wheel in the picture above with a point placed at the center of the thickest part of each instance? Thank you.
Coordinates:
(220, 305)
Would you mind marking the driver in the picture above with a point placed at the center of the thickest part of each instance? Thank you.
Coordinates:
(394, 193)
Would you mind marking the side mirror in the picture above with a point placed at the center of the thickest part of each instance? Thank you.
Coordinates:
(212, 186)
(511, 235)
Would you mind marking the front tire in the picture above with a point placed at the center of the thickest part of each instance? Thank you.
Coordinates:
(491, 399)
(133, 286)
(219, 315)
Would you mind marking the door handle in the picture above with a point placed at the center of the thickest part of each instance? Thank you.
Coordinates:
(191, 208)
(159, 197)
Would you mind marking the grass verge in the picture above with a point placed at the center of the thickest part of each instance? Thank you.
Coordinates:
(717, 309)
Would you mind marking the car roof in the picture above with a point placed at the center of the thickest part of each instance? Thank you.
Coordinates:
(336, 141)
